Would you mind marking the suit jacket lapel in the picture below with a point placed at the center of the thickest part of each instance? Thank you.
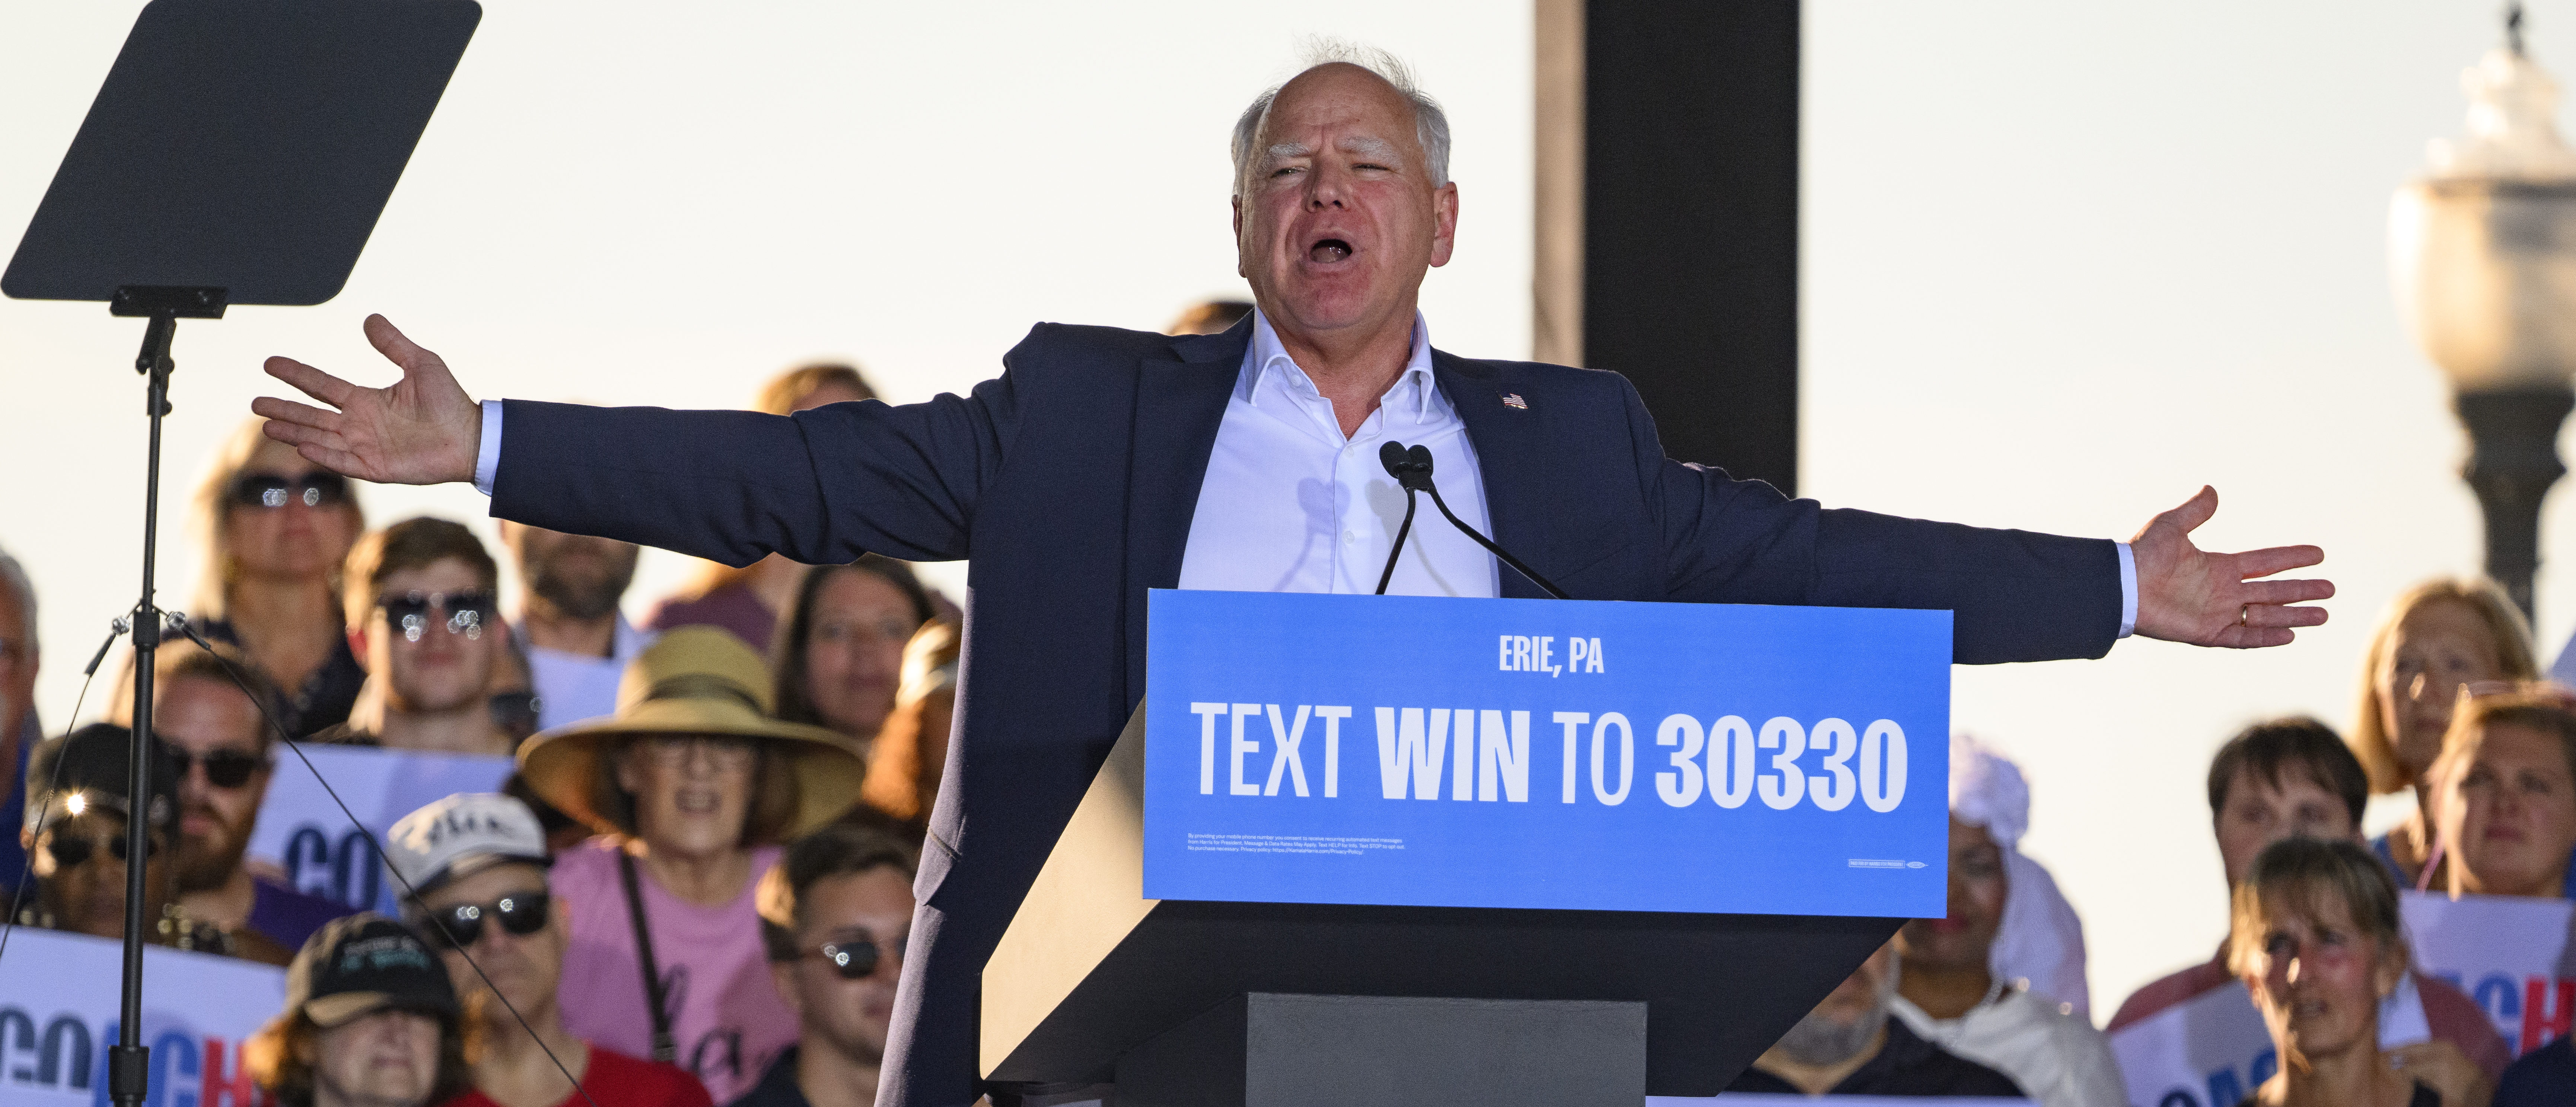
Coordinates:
(1180, 402)
(1508, 444)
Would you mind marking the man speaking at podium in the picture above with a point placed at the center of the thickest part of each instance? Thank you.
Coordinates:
(1103, 463)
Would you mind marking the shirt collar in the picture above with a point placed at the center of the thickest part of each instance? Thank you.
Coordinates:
(1415, 388)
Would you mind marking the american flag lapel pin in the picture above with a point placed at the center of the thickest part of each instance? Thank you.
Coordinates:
(1513, 399)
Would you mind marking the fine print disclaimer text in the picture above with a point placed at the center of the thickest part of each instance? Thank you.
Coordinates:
(1288, 843)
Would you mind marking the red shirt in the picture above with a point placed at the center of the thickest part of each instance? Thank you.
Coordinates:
(617, 1080)
(2452, 1016)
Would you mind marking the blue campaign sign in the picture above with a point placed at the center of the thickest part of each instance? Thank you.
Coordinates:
(1306, 748)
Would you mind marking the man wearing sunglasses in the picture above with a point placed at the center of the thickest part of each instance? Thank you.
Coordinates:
(835, 915)
(479, 861)
(225, 752)
(420, 598)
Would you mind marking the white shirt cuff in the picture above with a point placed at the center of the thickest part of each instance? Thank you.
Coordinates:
(487, 464)
(2128, 561)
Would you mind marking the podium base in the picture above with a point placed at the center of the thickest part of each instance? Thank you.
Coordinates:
(1265, 1049)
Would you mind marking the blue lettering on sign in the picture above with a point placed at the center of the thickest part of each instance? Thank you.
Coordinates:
(1489, 789)
(2501, 997)
(59, 1057)
(347, 872)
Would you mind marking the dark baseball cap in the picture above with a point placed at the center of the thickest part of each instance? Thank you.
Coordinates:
(95, 765)
(366, 963)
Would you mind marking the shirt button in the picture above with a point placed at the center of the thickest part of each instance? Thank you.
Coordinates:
(1350, 538)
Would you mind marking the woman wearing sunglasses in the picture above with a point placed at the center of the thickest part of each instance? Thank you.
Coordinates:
(76, 819)
(277, 529)
(479, 861)
(692, 785)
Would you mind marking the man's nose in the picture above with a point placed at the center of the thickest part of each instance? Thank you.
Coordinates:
(1326, 187)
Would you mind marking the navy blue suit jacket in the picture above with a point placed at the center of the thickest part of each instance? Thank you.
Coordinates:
(1070, 480)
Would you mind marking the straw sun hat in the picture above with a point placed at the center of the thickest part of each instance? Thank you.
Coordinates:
(697, 680)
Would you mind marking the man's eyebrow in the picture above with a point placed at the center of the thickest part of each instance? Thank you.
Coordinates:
(1282, 151)
(1369, 146)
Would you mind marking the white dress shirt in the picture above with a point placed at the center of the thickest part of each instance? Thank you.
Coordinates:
(1290, 504)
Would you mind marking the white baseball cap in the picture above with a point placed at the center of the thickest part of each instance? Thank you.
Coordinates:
(462, 834)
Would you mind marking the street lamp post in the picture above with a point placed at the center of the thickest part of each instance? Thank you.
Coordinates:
(2483, 251)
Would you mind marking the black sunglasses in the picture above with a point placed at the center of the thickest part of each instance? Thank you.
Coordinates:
(461, 925)
(465, 611)
(270, 490)
(858, 960)
(224, 768)
(72, 853)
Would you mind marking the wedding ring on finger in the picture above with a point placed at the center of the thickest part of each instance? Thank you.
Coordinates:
(2244, 614)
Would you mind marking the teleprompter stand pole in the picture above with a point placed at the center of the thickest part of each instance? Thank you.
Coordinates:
(129, 1060)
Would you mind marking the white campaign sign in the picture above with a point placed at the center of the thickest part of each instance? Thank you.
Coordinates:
(2509, 953)
(58, 1004)
(302, 832)
(2212, 1050)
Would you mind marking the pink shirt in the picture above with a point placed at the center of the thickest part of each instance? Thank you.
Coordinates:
(726, 1015)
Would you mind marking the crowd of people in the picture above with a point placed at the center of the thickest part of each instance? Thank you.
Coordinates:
(694, 889)
(696, 886)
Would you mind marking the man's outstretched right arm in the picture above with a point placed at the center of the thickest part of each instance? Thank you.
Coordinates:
(730, 486)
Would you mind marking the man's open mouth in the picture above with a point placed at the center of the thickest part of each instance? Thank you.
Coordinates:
(1327, 251)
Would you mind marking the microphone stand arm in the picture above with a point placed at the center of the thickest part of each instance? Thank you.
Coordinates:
(1542, 582)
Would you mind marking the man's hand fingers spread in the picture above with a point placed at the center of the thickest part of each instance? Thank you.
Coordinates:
(390, 341)
(2255, 638)
(311, 381)
(2194, 511)
(2287, 591)
(2266, 616)
(298, 434)
(285, 416)
(338, 461)
(2277, 559)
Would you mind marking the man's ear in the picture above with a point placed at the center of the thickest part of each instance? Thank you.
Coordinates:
(1444, 223)
(1241, 269)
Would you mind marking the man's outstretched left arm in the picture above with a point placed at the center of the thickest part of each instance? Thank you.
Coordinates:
(2016, 595)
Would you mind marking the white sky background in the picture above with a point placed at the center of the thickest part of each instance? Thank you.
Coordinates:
(2063, 263)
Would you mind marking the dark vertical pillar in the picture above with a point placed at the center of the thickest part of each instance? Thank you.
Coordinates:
(1689, 237)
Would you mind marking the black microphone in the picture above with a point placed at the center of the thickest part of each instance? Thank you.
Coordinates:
(1412, 470)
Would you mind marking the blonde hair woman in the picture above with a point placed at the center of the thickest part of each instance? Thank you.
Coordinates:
(276, 529)
(2434, 639)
